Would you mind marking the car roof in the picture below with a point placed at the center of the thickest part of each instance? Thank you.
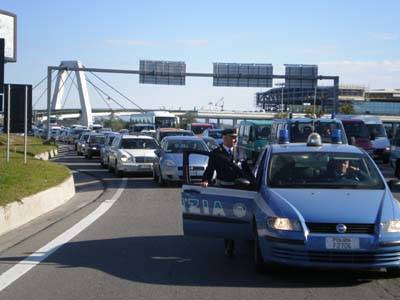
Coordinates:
(139, 136)
(307, 120)
(170, 129)
(257, 122)
(302, 147)
(183, 137)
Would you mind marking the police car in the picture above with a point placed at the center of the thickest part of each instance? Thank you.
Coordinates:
(311, 204)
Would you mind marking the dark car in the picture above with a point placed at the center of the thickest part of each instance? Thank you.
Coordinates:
(357, 132)
(94, 143)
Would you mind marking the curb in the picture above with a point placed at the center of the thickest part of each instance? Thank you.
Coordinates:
(47, 155)
(21, 212)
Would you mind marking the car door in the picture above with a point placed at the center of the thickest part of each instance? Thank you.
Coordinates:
(215, 211)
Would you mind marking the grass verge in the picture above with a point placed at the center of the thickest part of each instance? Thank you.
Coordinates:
(18, 180)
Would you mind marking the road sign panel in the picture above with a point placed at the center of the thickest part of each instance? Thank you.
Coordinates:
(242, 75)
(304, 76)
(8, 32)
(162, 72)
(17, 108)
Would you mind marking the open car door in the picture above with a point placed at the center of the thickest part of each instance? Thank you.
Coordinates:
(214, 211)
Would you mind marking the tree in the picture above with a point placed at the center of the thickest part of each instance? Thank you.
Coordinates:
(347, 109)
(187, 119)
(115, 124)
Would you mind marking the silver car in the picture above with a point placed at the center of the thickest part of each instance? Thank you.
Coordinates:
(132, 153)
(168, 164)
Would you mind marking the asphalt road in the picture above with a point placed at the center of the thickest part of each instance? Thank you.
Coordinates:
(136, 250)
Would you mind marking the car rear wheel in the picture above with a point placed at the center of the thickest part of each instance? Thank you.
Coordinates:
(110, 168)
(161, 181)
(155, 176)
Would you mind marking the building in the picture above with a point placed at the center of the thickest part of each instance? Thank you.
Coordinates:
(297, 100)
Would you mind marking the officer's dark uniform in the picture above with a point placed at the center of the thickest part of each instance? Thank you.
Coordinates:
(222, 162)
(227, 171)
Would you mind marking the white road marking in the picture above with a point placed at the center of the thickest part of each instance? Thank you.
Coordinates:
(15, 272)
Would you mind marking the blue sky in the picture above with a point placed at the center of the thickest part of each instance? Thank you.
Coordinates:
(357, 40)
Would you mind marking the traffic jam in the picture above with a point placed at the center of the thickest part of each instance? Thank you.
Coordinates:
(305, 192)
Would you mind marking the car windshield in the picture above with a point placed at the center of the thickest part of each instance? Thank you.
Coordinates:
(177, 146)
(377, 130)
(138, 144)
(263, 131)
(216, 134)
(84, 137)
(323, 170)
(98, 139)
(356, 129)
(211, 144)
(199, 129)
(110, 139)
(301, 130)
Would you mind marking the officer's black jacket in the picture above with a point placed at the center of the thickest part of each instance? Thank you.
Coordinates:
(220, 161)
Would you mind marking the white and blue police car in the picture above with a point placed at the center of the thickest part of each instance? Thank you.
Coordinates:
(311, 204)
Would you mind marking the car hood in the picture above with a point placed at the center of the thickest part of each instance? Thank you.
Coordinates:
(138, 152)
(333, 206)
(194, 159)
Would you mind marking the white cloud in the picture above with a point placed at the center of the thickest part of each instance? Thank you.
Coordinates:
(383, 36)
(194, 43)
(321, 50)
(377, 74)
(128, 42)
(135, 42)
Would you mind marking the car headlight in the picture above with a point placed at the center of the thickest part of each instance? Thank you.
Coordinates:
(283, 224)
(169, 163)
(391, 226)
(124, 158)
(387, 148)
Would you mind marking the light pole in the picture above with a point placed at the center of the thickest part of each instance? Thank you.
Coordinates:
(282, 85)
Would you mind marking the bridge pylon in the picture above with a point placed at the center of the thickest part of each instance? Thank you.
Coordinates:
(84, 99)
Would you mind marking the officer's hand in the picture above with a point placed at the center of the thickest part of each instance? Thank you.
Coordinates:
(204, 183)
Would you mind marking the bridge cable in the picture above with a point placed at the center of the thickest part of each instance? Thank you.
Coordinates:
(100, 94)
(108, 96)
(41, 81)
(62, 84)
(69, 90)
(41, 95)
(117, 91)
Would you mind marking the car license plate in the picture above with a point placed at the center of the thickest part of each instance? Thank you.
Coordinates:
(342, 243)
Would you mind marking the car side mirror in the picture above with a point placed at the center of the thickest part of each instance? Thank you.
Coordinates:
(394, 185)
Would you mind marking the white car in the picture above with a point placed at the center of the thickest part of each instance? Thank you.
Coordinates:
(132, 153)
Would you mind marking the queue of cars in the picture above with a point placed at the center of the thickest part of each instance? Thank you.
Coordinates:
(315, 197)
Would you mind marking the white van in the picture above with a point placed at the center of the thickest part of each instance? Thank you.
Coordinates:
(378, 136)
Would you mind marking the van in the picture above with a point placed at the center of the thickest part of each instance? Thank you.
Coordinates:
(253, 136)
(378, 136)
(376, 133)
(357, 133)
(300, 128)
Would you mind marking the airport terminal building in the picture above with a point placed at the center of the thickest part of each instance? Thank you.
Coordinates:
(297, 100)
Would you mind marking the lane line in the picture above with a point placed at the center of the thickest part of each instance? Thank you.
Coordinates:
(15, 272)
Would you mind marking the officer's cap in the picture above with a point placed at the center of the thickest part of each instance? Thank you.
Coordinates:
(230, 131)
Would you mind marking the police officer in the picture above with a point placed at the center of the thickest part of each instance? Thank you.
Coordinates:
(221, 160)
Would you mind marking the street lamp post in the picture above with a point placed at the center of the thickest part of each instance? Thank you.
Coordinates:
(282, 85)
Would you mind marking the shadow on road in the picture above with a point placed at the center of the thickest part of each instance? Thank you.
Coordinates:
(179, 260)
